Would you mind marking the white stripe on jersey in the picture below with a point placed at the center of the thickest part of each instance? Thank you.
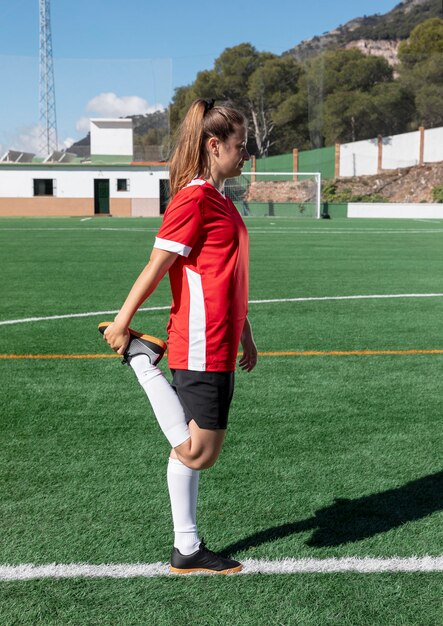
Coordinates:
(172, 246)
(197, 323)
(195, 181)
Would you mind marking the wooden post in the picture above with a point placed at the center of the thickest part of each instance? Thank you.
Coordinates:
(337, 160)
(295, 163)
(421, 157)
(380, 153)
(253, 167)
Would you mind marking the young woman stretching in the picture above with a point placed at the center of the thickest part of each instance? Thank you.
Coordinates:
(203, 244)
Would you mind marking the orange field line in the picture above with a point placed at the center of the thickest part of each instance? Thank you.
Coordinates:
(300, 353)
(349, 352)
(59, 356)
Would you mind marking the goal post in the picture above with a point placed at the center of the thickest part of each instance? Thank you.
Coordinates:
(276, 194)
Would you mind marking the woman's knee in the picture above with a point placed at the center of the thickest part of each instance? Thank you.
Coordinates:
(201, 461)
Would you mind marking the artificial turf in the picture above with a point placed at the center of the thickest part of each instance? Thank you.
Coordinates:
(325, 455)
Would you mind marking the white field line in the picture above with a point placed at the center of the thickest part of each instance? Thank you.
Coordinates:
(365, 565)
(367, 297)
(252, 229)
(430, 221)
(25, 320)
(87, 229)
(338, 231)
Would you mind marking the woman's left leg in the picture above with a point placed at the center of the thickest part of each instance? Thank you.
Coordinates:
(190, 553)
(183, 483)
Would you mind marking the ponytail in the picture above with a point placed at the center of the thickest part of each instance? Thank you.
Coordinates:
(202, 121)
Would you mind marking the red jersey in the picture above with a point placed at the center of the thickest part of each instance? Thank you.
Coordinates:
(209, 279)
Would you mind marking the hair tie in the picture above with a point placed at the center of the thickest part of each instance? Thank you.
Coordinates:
(209, 104)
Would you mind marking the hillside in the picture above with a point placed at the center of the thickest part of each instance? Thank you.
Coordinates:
(375, 34)
(408, 184)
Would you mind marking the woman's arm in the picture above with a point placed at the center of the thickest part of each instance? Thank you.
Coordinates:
(249, 358)
(117, 334)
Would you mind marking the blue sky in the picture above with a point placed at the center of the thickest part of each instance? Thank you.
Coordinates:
(115, 58)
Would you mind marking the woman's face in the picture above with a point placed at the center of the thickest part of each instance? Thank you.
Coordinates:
(229, 156)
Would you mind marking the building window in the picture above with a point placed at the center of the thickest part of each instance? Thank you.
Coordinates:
(122, 184)
(43, 186)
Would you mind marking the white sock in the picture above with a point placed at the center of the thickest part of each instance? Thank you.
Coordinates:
(164, 401)
(183, 491)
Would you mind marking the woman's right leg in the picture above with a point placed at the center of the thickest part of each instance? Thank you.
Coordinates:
(195, 447)
(164, 401)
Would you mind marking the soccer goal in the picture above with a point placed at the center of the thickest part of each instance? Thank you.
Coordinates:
(276, 194)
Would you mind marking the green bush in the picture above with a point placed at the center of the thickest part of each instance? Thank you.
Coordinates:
(330, 194)
(437, 193)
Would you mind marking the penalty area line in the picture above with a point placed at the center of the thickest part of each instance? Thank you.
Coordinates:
(365, 565)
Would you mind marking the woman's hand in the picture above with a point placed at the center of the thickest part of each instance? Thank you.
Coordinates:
(249, 358)
(117, 337)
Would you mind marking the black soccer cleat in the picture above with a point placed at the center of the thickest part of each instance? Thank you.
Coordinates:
(203, 560)
(139, 343)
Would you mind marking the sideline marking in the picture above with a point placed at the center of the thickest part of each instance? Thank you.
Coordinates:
(92, 229)
(251, 229)
(272, 301)
(365, 565)
(294, 353)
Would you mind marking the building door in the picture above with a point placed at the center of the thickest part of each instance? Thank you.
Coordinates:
(101, 196)
(164, 194)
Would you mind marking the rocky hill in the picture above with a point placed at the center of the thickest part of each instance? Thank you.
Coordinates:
(408, 184)
(375, 34)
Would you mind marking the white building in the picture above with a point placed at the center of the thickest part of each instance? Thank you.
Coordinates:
(108, 182)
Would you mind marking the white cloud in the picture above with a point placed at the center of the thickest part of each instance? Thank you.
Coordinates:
(82, 125)
(108, 104)
(27, 139)
(67, 143)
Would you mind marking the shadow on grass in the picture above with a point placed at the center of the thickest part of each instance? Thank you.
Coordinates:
(347, 521)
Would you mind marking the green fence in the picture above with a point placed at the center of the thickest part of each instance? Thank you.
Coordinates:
(321, 160)
(278, 163)
(334, 209)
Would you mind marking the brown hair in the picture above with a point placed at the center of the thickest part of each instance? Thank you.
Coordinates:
(203, 120)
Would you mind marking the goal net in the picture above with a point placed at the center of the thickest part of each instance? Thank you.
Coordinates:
(276, 194)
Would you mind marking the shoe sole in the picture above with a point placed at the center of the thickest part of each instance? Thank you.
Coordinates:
(193, 570)
(133, 333)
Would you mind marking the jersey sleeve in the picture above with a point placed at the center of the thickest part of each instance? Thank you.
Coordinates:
(182, 225)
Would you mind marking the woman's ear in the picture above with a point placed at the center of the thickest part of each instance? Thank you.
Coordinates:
(213, 144)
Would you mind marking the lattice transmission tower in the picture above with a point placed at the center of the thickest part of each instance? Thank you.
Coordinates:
(47, 115)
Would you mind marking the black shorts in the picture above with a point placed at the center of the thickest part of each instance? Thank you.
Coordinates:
(205, 396)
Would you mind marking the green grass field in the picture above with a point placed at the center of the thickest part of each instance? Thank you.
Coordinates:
(325, 456)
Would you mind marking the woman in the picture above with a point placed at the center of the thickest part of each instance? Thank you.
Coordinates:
(203, 244)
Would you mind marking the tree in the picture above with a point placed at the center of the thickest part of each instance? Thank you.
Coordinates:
(348, 116)
(424, 41)
(394, 109)
(429, 106)
(421, 71)
(269, 86)
(338, 88)
(256, 82)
